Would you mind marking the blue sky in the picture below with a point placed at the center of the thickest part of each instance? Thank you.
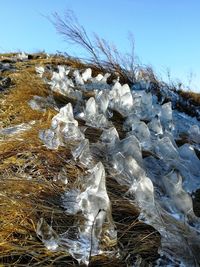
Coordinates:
(166, 32)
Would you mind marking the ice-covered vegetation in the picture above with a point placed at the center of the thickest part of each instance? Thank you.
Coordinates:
(160, 184)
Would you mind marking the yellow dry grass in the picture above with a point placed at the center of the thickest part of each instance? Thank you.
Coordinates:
(14, 108)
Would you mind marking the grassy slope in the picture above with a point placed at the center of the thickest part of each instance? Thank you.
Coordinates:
(27, 189)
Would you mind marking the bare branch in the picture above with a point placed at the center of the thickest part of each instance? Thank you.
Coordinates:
(102, 54)
(73, 32)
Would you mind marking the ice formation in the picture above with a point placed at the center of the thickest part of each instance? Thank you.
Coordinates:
(161, 183)
(41, 103)
(98, 83)
(40, 71)
(141, 131)
(93, 116)
(87, 74)
(22, 56)
(64, 128)
(102, 100)
(166, 116)
(47, 235)
(13, 130)
(194, 133)
(82, 153)
(94, 205)
(121, 98)
(61, 177)
(110, 136)
(155, 126)
(61, 83)
(78, 79)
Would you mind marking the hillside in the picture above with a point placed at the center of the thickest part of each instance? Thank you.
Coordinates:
(96, 170)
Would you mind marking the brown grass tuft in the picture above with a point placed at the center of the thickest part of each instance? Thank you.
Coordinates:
(193, 97)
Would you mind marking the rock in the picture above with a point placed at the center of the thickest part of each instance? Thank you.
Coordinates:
(4, 83)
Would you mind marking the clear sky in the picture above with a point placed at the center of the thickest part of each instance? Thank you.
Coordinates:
(166, 32)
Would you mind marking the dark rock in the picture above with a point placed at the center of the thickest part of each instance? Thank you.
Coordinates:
(37, 56)
(2, 89)
(4, 66)
(5, 82)
(8, 60)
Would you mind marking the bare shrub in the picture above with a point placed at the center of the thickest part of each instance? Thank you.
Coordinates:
(102, 54)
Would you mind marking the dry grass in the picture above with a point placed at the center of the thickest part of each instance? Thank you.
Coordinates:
(14, 108)
(189, 103)
(193, 97)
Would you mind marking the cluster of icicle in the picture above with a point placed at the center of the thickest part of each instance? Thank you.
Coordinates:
(160, 184)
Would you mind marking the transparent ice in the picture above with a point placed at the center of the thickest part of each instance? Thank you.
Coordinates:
(110, 136)
(78, 78)
(16, 129)
(47, 235)
(189, 168)
(94, 204)
(64, 128)
(82, 153)
(121, 98)
(142, 104)
(61, 177)
(92, 116)
(155, 126)
(102, 99)
(166, 116)
(40, 71)
(141, 131)
(41, 103)
(130, 120)
(60, 82)
(130, 146)
(98, 83)
(194, 133)
(166, 150)
(87, 74)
